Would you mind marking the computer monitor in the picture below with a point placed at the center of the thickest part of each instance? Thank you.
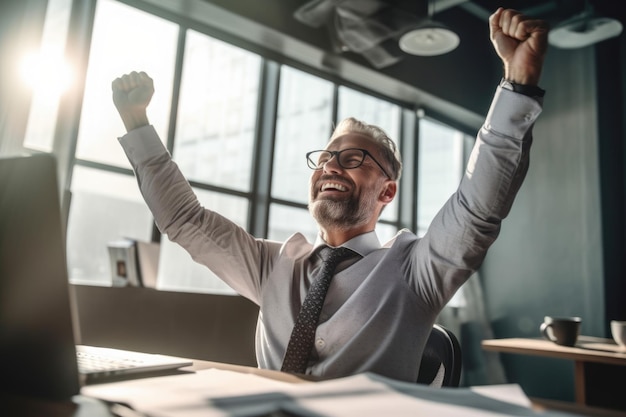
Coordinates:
(37, 345)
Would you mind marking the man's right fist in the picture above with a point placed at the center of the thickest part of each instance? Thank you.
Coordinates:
(132, 93)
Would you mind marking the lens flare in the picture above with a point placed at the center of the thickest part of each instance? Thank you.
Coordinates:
(46, 74)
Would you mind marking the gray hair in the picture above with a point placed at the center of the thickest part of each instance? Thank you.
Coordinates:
(388, 147)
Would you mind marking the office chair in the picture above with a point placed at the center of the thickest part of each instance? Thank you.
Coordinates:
(441, 360)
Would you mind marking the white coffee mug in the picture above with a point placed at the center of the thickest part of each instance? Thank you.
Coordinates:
(618, 330)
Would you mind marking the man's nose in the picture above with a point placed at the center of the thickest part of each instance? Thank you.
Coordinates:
(332, 165)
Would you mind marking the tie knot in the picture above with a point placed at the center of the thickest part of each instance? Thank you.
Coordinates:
(333, 256)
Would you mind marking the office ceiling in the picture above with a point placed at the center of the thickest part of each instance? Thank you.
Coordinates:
(372, 28)
(472, 65)
(551, 10)
(545, 9)
(463, 77)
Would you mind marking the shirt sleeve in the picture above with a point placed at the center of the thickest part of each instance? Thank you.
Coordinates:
(458, 238)
(235, 256)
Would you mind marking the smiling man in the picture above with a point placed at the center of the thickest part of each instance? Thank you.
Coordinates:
(346, 304)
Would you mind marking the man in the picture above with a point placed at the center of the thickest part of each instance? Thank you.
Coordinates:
(382, 301)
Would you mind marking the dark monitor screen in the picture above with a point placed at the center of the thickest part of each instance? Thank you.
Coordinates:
(37, 346)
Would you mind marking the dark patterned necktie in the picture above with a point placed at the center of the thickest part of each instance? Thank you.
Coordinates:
(303, 334)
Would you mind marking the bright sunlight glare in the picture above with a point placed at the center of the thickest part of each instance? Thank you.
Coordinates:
(47, 74)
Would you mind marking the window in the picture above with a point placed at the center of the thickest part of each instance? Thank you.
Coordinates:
(217, 112)
(213, 144)
(211, 110)
(370, 109)
(119, 32)
(102, 208)
(440, 167)
(285, 221)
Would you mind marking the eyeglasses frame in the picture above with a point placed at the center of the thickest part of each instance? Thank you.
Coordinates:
(335, 154)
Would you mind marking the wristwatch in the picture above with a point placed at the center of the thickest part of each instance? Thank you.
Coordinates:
(527, 90)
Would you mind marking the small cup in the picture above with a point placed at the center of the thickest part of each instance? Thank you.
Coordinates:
(563, 331)
(618, 330)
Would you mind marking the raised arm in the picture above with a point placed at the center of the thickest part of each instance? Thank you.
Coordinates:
(521, 43)
(461, 233)
(212, 240)
(132, 93)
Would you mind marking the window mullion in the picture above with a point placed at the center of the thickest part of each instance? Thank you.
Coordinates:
(335, 109)
(78, 45)
(178, 70)
(409, 136)
(264, 149)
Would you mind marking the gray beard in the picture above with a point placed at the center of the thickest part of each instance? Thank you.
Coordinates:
(342, 215)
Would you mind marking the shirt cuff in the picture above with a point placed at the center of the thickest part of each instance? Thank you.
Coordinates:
(512, 114)
(142, 144)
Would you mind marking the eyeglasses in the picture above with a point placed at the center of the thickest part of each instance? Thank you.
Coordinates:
(346, 158)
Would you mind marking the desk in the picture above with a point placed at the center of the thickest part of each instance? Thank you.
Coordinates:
(216, 389)
(219, 390)
(598, 363)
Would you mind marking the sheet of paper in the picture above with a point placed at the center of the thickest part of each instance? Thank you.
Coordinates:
(511, 393)
(188, 395)
(373, 399)
(362, 396)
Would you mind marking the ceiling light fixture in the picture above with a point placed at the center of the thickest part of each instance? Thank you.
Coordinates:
(583, 30)
(429, 38)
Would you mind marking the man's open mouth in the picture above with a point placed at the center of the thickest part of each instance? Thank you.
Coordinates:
(333, 186)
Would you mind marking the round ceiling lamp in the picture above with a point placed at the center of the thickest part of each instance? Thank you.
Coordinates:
(584, 29)
(579, 35)
(429, 38)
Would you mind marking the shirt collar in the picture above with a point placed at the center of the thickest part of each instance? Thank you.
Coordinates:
(362, 244)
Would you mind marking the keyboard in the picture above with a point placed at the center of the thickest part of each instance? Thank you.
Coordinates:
(98, 362)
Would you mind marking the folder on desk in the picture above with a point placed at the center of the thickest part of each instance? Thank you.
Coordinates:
(123, 263)
(133, 262)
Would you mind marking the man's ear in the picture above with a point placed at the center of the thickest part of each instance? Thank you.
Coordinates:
(389, 192)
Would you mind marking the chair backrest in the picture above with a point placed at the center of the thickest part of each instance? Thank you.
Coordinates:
(441, 360)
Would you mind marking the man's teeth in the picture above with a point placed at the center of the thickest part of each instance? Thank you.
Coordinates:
(333, 185)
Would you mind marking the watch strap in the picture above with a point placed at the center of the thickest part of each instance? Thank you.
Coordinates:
(527, 90)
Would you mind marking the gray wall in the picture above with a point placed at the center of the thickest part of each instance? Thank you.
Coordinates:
(548, 258)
